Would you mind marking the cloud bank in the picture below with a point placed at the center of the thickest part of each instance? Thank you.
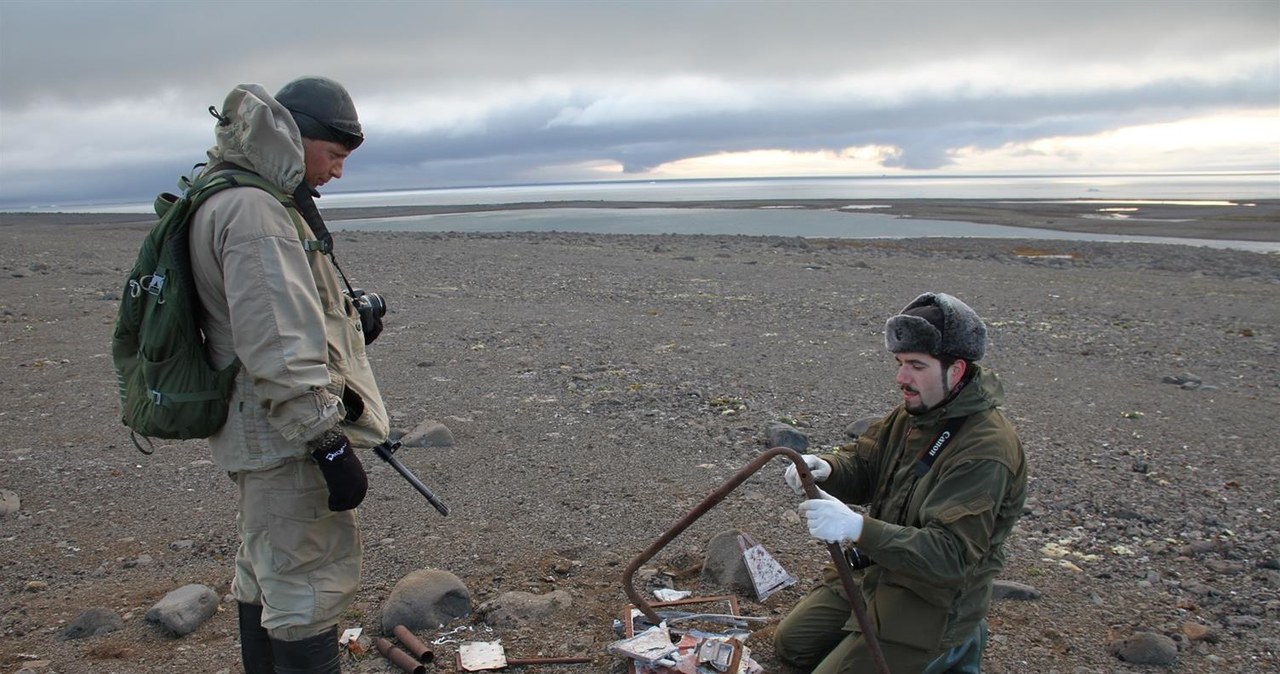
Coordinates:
(106, 100)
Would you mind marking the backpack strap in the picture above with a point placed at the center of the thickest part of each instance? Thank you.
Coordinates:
(223, 176)
(227, 175)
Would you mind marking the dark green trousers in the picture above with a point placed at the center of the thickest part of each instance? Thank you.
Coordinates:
(813, 637)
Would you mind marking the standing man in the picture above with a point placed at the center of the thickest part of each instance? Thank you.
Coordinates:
(944, 479)
(305, 393)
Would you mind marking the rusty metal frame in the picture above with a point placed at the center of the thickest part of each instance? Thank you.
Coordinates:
(852, 591)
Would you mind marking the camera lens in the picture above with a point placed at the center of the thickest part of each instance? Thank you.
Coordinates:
(376, 304)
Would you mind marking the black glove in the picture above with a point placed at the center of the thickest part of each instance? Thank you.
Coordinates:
(343, 473)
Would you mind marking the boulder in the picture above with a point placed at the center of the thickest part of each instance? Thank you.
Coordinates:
(426, 599)
(184, 609)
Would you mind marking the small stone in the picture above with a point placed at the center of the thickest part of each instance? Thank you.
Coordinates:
(1197, 548)
(860, 426)
(140, 560)
(1244, 622)
(35, 586)
(512, 609)
(1198, 632)
(1145, 648)
(1007, 589)
(91, 623)
(786, 435)
(9, 502)
(429, 434)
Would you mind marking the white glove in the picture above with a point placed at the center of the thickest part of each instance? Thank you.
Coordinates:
(819, 468)
(831, 520)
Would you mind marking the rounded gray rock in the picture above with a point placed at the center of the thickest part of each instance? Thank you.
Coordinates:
(723, 565)
(786, 435)
(860, 426)
(91, 623)
(184, 609)
(425, 599)
(429, 434)
(511, 609)
(1146, 648)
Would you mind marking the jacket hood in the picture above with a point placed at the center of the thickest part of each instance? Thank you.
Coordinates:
(258, 133)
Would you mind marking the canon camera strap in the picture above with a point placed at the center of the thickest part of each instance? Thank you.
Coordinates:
(304, 199)
(925, 462)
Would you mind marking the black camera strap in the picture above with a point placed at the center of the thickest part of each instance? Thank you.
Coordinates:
(856, 557)
(930, 455)
(304, 199)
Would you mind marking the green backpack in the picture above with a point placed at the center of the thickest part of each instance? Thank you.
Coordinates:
(167, 387)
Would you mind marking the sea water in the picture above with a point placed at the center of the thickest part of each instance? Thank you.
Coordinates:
(1236, 188)
(1177, 187)
(864, 222)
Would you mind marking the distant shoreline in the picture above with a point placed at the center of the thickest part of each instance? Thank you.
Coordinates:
(1257, 221)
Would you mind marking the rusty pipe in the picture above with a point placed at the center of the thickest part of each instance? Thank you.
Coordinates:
(811, 491)
(398, 657)
(421, 651)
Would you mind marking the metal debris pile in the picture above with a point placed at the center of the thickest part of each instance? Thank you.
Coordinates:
(688, 642)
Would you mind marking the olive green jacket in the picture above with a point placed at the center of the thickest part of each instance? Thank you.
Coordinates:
(274, 304)
(937, 540)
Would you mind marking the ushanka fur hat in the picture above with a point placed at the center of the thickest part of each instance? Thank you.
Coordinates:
(937, 324)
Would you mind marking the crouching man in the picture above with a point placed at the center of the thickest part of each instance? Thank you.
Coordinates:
(943, 478)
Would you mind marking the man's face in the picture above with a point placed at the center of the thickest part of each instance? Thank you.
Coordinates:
(323, 161)
(923, 381)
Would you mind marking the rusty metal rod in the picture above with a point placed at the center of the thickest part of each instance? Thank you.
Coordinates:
(559, 660)
(399, 658)
(421, 651)
(515, 662)
(811, 491)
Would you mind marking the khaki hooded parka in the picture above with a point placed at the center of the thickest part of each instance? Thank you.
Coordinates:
(273, 304)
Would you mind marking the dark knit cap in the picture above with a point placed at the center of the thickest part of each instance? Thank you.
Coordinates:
(323, 110)
(939, 325)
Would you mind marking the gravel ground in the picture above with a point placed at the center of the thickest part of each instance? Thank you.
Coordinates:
(598, 387)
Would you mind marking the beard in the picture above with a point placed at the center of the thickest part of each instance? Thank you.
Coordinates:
(916, 406)
(919, 406)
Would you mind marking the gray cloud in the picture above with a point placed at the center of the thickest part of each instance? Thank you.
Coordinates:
(508, 90)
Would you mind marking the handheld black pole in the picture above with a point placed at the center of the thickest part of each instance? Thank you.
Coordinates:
(386, 452)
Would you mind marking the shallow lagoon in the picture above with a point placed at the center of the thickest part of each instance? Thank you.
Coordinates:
(746, 222)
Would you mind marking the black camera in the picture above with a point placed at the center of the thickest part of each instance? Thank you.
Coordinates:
(366, 302)
(857, 558)
(372, 308)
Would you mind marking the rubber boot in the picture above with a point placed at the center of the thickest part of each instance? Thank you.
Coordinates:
(963, 659)
(255, 643)
(313, 655)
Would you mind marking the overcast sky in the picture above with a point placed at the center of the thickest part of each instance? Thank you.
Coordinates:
(107, 100)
